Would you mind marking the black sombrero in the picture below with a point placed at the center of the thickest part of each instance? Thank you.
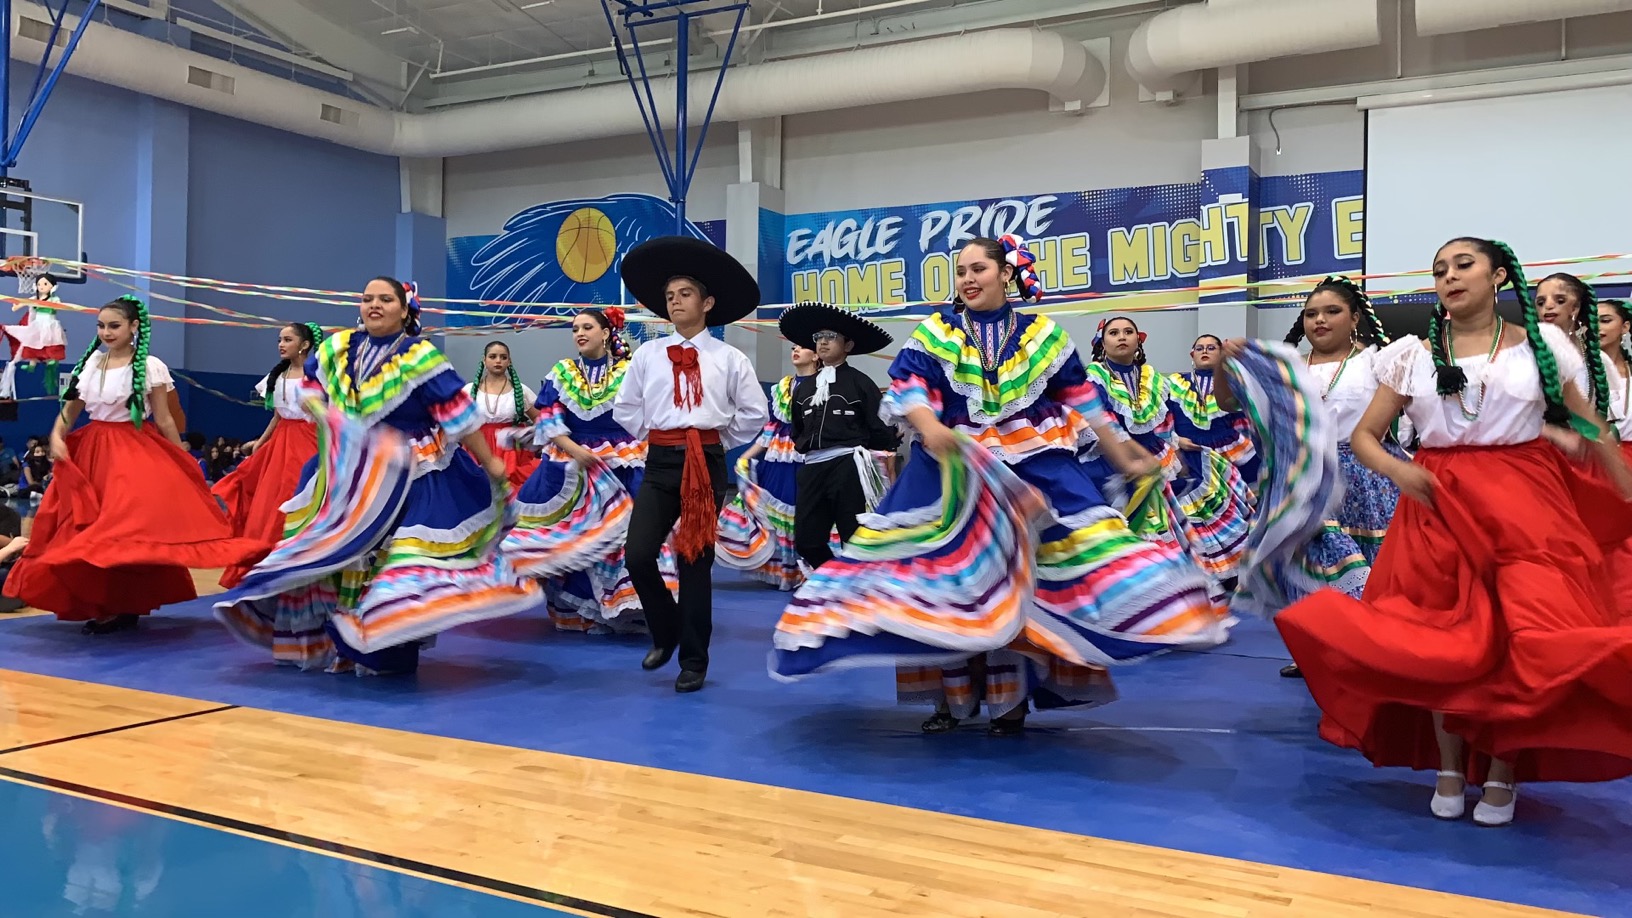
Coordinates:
(648, 268)
(801, 323)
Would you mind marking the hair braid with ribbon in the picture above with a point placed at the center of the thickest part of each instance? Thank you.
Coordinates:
(516, 389)
(1585, 335)
(309, 332)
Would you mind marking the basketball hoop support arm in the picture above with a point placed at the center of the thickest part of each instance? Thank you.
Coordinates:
(680, 167)
(45, 77)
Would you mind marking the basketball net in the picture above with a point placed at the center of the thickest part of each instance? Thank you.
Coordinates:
(28, 268)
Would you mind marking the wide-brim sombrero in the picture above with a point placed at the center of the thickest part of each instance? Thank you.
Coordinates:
(801, 323)
(648, 268)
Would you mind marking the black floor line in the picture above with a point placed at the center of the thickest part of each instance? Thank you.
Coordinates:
(516, 890)
(120, 729)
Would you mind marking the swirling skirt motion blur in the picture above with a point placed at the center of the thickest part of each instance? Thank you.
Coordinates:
(376, 561)
(125, 517)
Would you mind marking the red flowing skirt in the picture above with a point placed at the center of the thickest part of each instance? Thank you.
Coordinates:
(124, 519)
(518, 463)
(1492, 607)
(1617, 557)
(256, 491)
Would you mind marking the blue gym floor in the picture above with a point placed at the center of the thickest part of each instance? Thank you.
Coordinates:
(1212, 753)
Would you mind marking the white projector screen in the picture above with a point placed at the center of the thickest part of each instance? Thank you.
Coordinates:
(1546, 173)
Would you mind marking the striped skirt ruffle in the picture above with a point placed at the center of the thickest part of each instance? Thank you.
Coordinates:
(374, 558)
(1369, 500)
(1295, 547)
(767, 492)
(1216, 504)
(953, 565)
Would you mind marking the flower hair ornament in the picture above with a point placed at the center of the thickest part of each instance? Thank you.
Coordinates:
(1024, 263)
(616, 317)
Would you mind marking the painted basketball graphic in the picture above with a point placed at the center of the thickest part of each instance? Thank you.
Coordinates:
(586, 245)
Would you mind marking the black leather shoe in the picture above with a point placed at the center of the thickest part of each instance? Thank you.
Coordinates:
(689, 681)
(1291, 672)
(656, 657)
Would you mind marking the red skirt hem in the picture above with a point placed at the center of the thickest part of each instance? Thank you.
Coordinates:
(255, 493)
(123, 521)
(1491, 608)
(518, 464)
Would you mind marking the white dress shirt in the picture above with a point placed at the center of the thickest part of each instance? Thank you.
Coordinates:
(733, 402)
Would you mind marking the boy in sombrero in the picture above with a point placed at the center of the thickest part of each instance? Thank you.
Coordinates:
(692, 397)
(836, 425)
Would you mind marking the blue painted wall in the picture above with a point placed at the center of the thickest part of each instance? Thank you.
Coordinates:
(181, 191)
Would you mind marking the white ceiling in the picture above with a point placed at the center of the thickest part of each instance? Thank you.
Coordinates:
(473, 33)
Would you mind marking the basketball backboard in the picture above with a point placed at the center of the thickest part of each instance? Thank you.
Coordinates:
(41, 226)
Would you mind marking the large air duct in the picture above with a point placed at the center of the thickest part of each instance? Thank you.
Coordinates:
(1168, 48)
(1444, 17)
(950, 65)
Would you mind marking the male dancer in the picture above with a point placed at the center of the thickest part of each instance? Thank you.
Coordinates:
(836, 425)
(692, 397)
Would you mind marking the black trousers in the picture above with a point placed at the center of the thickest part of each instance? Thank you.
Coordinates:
(689, 623)
(830, 495)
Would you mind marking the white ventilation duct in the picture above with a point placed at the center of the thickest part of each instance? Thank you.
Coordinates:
(974, 62)
(1443, 17)
(1169, 47)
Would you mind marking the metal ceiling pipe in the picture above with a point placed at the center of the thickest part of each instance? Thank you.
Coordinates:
(1444, 17)
(1169, 48)
(949, 65)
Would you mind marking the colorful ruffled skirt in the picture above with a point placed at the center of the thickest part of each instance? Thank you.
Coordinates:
(1294, 547)
(1492, 607)
(767, 491)
(376, 561)
(1369, 499)
(1216, 503)
(255, 492)
(569, 534)
(967, 557)
(125, 518)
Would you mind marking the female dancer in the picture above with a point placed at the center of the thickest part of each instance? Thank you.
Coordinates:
(1568, 302)
(1615, 340)
(1484, 646)
(948, 578)
(1211, 499)
(574, 508)
(394, 535)
(127, 513)
(1198, 421)
(1344, 336)
(767, 475)
(255, 492)
(504, 404)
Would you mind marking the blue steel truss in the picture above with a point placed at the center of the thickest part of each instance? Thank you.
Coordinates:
(45, 77)
(648, 16)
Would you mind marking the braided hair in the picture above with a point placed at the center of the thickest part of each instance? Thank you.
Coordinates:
(1098, 350)
(135, 312)
(1585, 335)
(515, 379)
(1368, 329)
(1625, 312)
(312, 334)
(612, 319)
(1450, 378)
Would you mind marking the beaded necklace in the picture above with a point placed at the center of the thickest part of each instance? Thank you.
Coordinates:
(491, 400)
(1495, 345)
(990, 355)
(1343, 365)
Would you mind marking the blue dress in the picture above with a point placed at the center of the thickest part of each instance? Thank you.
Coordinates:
(393, 536)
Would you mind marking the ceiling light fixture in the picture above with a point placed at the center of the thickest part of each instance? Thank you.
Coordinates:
(400, 30)
(528, 6)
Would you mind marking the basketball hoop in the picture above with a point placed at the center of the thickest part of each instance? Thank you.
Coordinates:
(28, 268)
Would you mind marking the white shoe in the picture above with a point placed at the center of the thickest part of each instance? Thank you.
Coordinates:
(1453, 806)
(1494, 816)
